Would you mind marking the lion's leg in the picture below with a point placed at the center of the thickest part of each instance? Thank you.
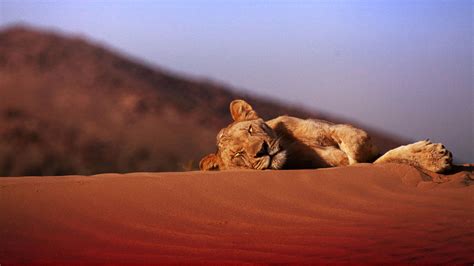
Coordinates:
(355, 142)
(423, 154)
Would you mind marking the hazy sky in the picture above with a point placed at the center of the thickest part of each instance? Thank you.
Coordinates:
(401, 66)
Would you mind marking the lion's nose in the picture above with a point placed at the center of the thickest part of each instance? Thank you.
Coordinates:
(263, 151)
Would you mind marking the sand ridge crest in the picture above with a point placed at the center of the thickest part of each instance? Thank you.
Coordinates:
(361, 213)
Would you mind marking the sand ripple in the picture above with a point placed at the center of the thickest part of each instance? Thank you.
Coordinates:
(385, 213)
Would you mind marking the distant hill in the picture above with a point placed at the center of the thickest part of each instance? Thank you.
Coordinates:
(68, 106)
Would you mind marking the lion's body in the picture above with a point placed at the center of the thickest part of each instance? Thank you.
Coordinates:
(292, 143)
(314, 143)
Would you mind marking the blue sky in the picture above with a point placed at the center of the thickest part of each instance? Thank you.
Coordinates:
(401, 66)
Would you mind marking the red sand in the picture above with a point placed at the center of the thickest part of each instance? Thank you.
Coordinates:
(364, 213)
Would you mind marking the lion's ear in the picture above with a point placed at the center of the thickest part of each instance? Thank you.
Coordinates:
(209, 163)
(241, 111)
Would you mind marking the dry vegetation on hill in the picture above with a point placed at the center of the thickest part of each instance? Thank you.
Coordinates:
(71, 107)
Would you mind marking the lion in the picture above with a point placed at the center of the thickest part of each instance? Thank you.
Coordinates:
(288, 142)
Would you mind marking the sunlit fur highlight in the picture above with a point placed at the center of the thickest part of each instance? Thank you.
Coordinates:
(292, 143)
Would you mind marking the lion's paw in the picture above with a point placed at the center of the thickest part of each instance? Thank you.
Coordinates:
(430, 156)
(423, 154)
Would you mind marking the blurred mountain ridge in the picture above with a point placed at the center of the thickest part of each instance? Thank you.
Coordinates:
(68, 106)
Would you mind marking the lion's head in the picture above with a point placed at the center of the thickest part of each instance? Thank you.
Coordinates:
(246, 143)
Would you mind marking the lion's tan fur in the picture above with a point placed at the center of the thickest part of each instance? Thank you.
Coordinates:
(292, 143)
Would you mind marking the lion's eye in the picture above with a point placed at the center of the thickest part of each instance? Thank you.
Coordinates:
(250, 130)
(238, 154)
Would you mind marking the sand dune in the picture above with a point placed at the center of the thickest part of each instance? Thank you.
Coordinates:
(365, 213)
